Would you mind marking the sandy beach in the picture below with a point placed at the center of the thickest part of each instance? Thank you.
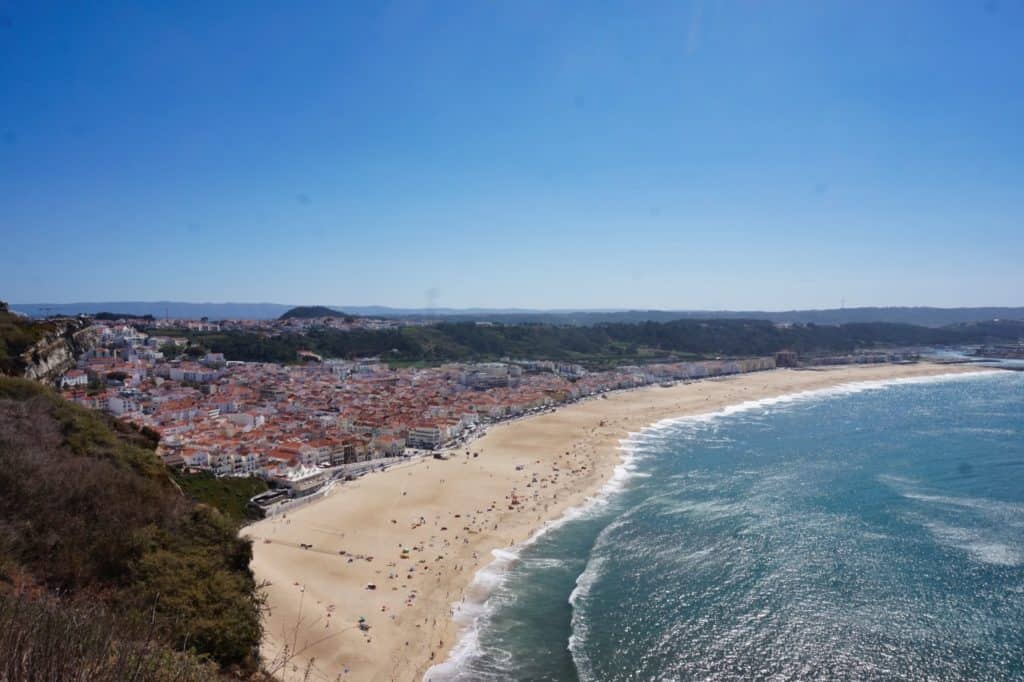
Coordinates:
(418, 532)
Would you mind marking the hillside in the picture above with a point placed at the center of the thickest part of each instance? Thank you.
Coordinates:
(91, 523)
(306, 312)
(160, 309)
(597, 345)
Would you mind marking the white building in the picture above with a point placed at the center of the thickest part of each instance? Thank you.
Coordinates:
(428, 437)
(75, 377)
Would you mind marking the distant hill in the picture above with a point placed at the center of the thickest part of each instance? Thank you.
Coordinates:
(159, 309)
(921, 315)
(307, 312)
(111, 317)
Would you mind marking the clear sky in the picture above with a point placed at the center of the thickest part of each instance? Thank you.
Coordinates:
(743, 155)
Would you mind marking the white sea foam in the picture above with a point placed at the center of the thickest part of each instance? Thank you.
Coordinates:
(977, 543)
(706, 508)
(470, 614)
(983, 544)
(578, 626)
(848, 388)
(1003, 511)
(584, 584)
(544, 562)
(898, 480)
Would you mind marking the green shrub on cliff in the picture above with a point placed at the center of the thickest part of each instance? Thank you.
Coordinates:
(229, 494)
(44, 638)
(88, 511)
(17, 335)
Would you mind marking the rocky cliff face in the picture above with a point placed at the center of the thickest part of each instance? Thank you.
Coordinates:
(55, 351)
(48, 359)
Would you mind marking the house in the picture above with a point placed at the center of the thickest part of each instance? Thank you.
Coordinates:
(388, 446)
(75, 377)
(428, 437)
(785, 358)
(298, 480)
(196, 458)
(213, 360)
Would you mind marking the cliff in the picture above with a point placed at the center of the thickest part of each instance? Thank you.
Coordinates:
(47, 359)
(55, 352)
(41, 350)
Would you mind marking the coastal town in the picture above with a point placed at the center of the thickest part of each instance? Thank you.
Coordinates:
(509, 342)
(300, 426)
(370, 492)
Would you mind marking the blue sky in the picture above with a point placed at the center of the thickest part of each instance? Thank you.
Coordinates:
(531, 154)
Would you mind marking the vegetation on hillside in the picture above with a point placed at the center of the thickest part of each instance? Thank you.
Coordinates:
(229, 494)
(312, 311)
(17, 335)
(597, 345)
(88, 512)
(105, 316)
(45, 638)
(921, 316)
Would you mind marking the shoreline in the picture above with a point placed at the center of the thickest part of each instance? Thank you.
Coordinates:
(456, 514)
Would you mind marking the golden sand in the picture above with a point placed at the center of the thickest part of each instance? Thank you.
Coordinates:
(450, 515)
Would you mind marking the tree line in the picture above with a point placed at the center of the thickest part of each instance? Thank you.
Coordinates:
(600, 344)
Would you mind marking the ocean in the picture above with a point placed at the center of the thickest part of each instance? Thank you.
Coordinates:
(871, 531)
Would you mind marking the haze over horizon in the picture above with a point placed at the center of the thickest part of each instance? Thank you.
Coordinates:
(342, 307)
(680, 156)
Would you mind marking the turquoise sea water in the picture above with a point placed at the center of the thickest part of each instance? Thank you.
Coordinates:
(867, 532)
